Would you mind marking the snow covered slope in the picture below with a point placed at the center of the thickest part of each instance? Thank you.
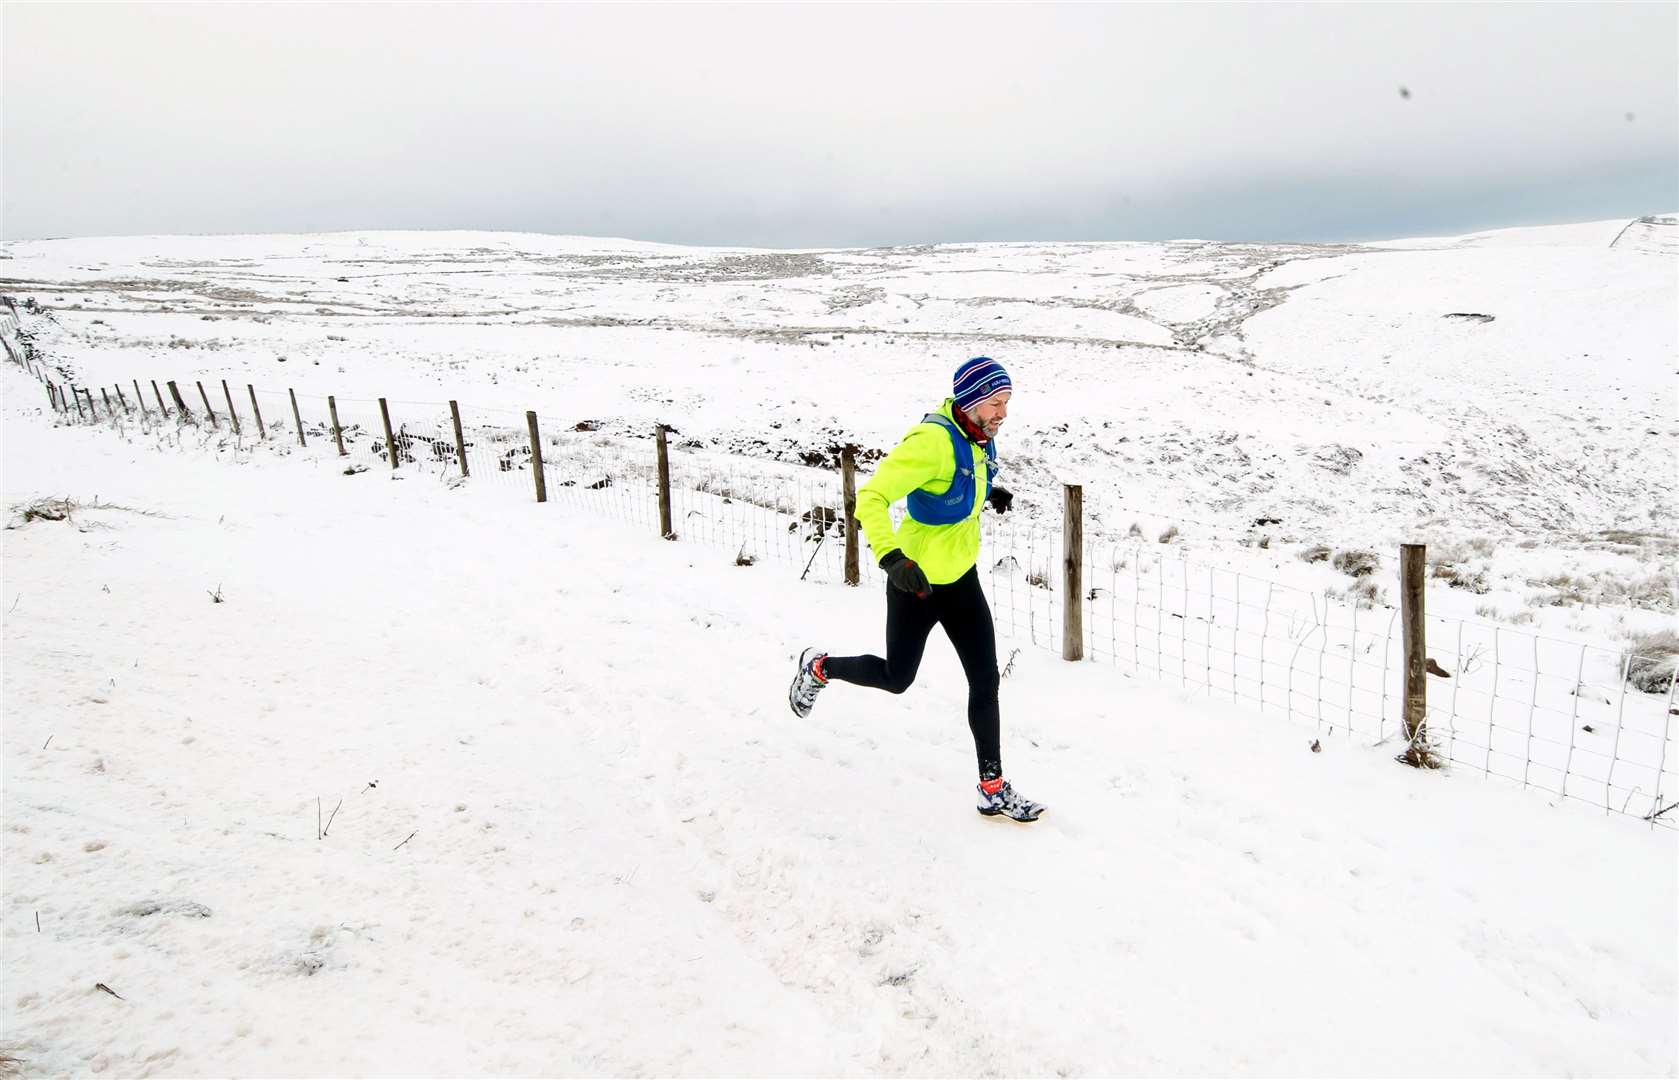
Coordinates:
(571, 827)
(1512, 383)
(1657, 234)
(1509, 389)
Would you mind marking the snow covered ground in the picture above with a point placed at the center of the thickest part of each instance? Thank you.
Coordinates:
(1504, 397)
(577, 830)
(624, 856)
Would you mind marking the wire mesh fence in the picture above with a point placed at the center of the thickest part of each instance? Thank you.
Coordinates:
(1584, 722)
(1581, 721)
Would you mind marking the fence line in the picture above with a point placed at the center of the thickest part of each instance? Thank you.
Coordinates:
(1559, 716)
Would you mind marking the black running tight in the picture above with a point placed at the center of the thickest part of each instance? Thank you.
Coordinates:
(961, 609)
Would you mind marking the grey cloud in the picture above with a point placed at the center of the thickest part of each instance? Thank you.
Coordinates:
(838, 125)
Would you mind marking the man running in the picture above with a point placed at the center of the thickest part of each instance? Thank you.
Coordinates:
(946, 467)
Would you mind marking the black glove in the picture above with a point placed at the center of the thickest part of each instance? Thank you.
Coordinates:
(1001, 499)
(902, 572)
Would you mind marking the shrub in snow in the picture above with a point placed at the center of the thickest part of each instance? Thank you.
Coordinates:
(1315, 553)
(1136, 530)
(1651, 660)
(1169, 535)
(1474, 581)
(1490, 611)
(1340, 460)
(1356, 563)
(1658, 591)
(1364, 594)
(1568, 590)
(44, 510)
(1453, 552)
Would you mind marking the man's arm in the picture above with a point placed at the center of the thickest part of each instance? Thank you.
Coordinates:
(912, 464)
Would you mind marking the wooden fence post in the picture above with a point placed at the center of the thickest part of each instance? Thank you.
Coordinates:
(848, 481)
(161, 407)
(232, 413)
(180, 403)
(297, 417)
(77, 395)
(390, 440)
(256, 411)
(125, 409)
(52, 402)
(1072, 567)
(141, 398)
(1413, 560)
(209, 411)
(337, 432)
(460, 441)
(536, 457)
(664, 485)
(107, 398)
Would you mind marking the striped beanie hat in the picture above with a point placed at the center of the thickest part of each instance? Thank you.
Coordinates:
(978, 379)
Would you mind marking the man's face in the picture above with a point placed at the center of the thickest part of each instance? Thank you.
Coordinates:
(990, 413)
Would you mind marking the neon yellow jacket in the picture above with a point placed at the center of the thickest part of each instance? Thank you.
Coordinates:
(925, 460)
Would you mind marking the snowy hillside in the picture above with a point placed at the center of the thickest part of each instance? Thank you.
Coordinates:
(571, 828)
(1657, 234)
(1504, 397)
(1508, 386)
(570, 825)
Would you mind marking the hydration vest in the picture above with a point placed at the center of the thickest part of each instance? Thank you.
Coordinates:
(958, 502)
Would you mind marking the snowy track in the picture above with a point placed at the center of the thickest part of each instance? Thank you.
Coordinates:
(600, 844)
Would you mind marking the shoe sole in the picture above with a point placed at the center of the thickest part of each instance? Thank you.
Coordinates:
(792, 687)
(1016, 820)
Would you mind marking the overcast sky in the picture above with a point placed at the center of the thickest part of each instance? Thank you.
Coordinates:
(837, 124)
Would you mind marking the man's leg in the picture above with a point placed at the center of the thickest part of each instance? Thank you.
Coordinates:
(909, 620)
(966, 617)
